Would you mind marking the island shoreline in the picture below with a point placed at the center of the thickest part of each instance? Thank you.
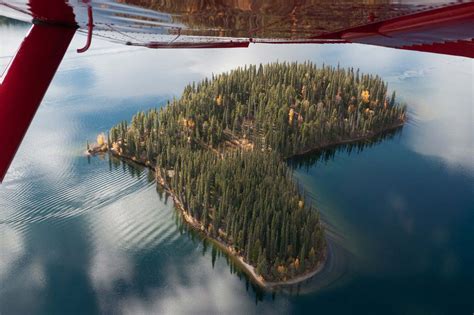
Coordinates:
(222, 245)
(336, 143)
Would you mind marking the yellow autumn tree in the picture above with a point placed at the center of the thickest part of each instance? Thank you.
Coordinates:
(291, 114)
(365, 96)
(219, 100)
(281, 269)
(301, 204)
(101, 139)
(189, 123)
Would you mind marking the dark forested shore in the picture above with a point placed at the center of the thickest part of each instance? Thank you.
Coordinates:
(220, 148)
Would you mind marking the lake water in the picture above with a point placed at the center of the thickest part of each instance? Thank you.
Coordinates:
(87, 236)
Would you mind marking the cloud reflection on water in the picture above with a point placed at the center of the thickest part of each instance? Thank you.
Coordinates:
(199, 291)
(446, 109)
(11, 249)
(193, 285)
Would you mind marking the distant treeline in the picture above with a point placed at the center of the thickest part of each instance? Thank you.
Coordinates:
(220, 149)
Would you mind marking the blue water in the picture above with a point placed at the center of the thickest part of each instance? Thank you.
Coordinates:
(87, 236)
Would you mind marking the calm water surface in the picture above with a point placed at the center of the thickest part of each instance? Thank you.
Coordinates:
(87, 236)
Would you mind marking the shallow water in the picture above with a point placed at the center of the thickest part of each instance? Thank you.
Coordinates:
(81, 235)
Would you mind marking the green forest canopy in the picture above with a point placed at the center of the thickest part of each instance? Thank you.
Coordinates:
(220, 149)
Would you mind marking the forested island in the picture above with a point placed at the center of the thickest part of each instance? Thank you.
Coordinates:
(220, 149)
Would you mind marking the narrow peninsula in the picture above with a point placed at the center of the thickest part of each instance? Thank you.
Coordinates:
(220, 150)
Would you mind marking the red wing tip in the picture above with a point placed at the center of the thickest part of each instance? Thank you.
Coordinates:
(3, 172)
